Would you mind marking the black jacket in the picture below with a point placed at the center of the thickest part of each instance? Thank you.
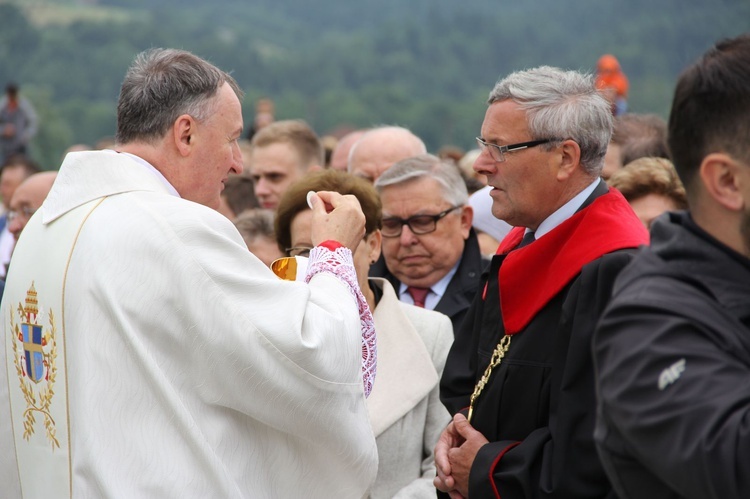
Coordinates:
(673, 369)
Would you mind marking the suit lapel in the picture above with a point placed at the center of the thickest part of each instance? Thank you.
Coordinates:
(465, 283)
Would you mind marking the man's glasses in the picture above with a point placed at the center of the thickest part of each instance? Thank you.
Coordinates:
(498, 152)
(24, 212)
(418, 224)
(299, 251)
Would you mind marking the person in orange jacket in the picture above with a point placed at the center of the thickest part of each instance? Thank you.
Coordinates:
(613, 83)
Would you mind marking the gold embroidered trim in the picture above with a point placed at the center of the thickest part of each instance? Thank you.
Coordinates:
(65, 344)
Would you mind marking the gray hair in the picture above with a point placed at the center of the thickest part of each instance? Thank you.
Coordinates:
(255, 223)
(430, 166)
(160, 86)
(561, 105)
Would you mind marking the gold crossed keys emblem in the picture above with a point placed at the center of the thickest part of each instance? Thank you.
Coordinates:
(34, 354)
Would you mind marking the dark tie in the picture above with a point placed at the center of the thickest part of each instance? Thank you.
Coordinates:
(418, 295)
(528, 238)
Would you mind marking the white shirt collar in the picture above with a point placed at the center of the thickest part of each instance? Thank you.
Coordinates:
(152, 169)
(565, 211)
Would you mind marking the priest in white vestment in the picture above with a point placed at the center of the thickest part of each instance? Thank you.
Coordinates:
(147, 353)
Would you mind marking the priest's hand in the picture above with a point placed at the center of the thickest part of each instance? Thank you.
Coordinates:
(336, 217)
(461, 457)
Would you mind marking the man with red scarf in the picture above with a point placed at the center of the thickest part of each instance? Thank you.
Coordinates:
(519, 378)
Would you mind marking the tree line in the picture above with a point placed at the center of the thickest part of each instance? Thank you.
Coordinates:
(424, 64)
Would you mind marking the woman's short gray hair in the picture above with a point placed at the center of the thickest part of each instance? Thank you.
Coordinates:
(427, 165)
(160, 86)
(561, 105)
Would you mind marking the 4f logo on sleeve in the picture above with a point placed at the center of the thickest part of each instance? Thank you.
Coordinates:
(671, 374)
(34, 354)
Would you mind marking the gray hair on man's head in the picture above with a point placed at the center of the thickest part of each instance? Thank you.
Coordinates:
(427, 166)
(561, 105)
(160, 86)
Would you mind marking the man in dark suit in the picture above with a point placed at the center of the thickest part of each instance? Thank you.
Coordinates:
(519, 377)
(431, 253)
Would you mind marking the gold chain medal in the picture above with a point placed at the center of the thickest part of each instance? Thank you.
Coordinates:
(497, 356)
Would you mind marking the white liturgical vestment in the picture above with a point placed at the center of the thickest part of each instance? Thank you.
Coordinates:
(147, 353)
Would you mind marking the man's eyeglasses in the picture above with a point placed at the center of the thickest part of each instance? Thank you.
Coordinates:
(418, 224)
(498, 152)
(24, 212)
(299, 251)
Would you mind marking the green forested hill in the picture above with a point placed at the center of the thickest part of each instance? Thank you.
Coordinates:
(424, 64)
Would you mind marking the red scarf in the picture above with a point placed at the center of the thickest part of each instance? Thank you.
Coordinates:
(531, 276)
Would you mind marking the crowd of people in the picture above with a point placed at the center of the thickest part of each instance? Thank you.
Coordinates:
(561, 312)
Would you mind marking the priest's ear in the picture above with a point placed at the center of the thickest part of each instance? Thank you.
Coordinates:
(726, 180)
(183, 133)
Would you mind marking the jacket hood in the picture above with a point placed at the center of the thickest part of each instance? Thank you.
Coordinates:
(682, 251)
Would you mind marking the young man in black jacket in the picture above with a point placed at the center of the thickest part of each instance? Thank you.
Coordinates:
(673, 349)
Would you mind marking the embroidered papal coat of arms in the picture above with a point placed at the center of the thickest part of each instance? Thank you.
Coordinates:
(34, 355)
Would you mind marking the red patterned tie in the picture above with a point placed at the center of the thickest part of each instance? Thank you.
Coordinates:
(418, 295)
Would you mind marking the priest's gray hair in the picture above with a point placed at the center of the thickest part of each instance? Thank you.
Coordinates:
(160, 86)
(561, 105)
(429, 166)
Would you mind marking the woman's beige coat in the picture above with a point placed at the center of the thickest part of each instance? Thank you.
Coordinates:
(405, 410)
